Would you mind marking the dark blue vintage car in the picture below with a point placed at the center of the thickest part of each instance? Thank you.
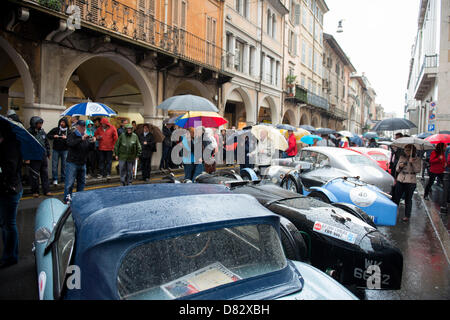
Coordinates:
(169, 241)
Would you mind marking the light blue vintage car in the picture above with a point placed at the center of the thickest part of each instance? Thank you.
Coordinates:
(169, 241)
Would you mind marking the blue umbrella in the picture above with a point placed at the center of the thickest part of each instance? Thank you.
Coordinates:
(424, 135)
(310, 139)
(30, 148)
(286, 127)
(187, 102)
(90, 109)
(357, 140)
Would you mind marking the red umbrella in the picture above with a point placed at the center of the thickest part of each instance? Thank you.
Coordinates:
(438, 138)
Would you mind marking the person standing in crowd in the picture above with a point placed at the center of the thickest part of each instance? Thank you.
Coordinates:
(11, 114)
(292, 145)
(59, 137)
(39, 168)
(121, 129)
(437, 168)
(79, 144)
(210, 145)
(325, 142)
(407, 168)
(127, 150)
(90, 163)
(107, 138)
(148, 145)
(192, 153)
(167, 147)
(10, 194)
(395, 155)
(133, 123)
(372, 143)
(263, 152)
(73, 122)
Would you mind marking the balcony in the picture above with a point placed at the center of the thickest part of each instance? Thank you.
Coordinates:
(427, 76)
(338, 113)
(317, 101)
(126, 23)
(297, 94)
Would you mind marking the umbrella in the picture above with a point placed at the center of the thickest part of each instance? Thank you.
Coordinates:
(424, 135)
(325, 131)
(200, 118)
(286, 127)
(445, 132)
(438, 138)
(30, 148)
(357, 140)
(370, 135)
(278, 140)
(307, 127)
(173, 119)
(236, 136)
(386, 143)
(418, 143)
(154, 130)
(347, 134)
(393, 124)
(90, 109)
(187, 102)
(310, 139)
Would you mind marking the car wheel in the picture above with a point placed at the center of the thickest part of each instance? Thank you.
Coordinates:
(290, 184)
(294, 245)
(319, 196)
(245, 176)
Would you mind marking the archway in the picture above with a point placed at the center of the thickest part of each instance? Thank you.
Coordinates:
(238, 109)
(289, 118)
(112, 79)
(315, 122)
(16, 82)
(267, 112)
(304, 120)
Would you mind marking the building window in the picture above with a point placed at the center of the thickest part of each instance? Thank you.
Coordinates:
(242, 6)
(304, 52)
(239, 56)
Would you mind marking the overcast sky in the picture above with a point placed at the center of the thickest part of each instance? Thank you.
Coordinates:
(378, 36)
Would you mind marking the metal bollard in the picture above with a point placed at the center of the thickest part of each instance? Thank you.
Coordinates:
(446, 197)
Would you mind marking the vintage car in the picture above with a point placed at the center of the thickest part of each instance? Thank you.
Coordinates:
(331, 185)
(380, 155)
(356, 165)
(338, 242)
(167, 241)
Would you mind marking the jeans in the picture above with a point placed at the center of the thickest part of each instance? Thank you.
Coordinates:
(407, 189)
(126, 172)
(39, 169)
(104, 162)
(165, 158)
(433, 177)
(10, 235)
(192, 170)
(146, 167)
(74, 172)
(56, 156)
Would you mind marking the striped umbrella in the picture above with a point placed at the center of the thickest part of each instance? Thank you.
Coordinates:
(89, 109)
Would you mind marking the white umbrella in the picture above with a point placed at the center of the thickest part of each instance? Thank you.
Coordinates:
(418, 143)
(347, 134)
(187, 102)
(278, 140)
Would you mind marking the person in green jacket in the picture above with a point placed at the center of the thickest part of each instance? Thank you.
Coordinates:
(127, 150)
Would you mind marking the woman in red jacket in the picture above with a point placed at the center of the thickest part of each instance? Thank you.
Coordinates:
(437, 167)
(292, 142)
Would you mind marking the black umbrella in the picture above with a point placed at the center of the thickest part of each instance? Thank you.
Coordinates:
(308, 128)
(325, 131)
(393, 124)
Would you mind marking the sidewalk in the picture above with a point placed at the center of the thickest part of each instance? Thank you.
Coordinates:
(438, 219)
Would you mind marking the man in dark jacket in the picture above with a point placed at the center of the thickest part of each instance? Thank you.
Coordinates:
(59, 137)
(79, 144)
(167, 147)
(10, 194)
(148, 147)
(39, 168)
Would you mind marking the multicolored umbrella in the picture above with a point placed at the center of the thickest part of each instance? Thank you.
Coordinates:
(200, 118)
(438, 138)
(90, 109)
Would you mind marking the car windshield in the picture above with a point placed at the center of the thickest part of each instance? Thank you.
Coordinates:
(359, 160)
(181, 266)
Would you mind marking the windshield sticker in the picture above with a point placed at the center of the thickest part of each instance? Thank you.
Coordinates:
(334, 232)
(206, 278)
(362, 196)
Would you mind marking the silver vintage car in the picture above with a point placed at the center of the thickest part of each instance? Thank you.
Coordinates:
(351, 162)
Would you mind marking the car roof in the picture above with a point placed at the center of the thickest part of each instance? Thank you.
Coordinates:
(331, 151)
(157, 209)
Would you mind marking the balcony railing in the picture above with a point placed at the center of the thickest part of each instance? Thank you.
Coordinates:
(426, 74)
(339, 113)
(317, 101)
(124, 21)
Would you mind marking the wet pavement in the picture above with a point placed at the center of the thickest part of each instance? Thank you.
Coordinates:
(426, 270)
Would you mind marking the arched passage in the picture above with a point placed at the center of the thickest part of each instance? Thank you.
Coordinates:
(315, 122)
(289, 118)
(238, 108)
(15, 76)
(112, 79)
(304, 120)
(267, 111)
